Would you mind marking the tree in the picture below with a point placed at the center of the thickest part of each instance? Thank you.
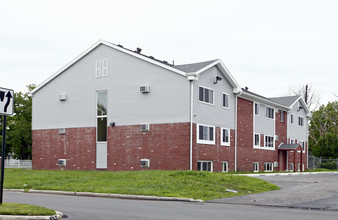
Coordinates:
(310, 96)
(323, 133)
(19, 131)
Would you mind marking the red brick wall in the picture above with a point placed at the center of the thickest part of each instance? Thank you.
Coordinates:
(166, 145)
(215, 153)
(77, 146)
(281, 131)
(246, 154)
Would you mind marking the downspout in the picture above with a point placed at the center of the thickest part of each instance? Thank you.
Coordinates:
(192, 77)
(236, 97)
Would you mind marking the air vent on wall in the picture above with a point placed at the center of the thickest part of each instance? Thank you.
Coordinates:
(62, 162)
(62, 97)
(144, 89)
(144, 127)
(62, 131)
(145, 163)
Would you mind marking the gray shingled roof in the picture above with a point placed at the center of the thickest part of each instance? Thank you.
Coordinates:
(193, 67)
(288, 146)
(285, 100)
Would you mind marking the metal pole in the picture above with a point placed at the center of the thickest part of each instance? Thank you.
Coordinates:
(3, 157)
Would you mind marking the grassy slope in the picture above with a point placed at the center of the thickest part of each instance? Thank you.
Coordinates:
(24, 209)
(187, 184)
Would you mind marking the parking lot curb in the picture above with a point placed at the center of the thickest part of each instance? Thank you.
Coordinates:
(283, 174)
(57, 216)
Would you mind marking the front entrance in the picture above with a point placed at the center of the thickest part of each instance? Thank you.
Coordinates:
(282, 155)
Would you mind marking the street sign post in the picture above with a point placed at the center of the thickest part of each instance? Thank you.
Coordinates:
(6, 108)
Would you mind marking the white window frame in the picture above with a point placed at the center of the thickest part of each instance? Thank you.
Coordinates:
(227, 166)
(292, 119)
(145, 160)
(256, 107)
(265, 142)
(255, 167)
(259, 140)
(302, 144)
(268, 167)
(282, 116)
(203, 101)
(227, 97)
(205, 161)
(267, 112)
(291, 166)
(202, 141)
(225, 143)
(301, 121)
(292, 140)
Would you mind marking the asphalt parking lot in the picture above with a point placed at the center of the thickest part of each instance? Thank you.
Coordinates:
(307, 191)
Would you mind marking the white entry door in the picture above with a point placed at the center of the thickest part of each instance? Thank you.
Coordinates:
(101, 130)
(101, 155)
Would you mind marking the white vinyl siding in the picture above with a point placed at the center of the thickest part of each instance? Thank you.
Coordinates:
(101, 68)
(205, 95)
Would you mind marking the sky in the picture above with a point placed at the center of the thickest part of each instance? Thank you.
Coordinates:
(269, 46)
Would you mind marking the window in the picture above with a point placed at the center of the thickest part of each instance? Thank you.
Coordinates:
(225, 137)
(291, 166)
(268, 167)
(270, 112)
(302, 144)
(257, 140)
(292, 141)
(101, 116)
(204, 166)
(225, 166)
(256, 109)
(300, 121)
(269, 141)
(256, 166)
(206, 95)
(225, 100)
(205, 134)
(145, 163)
(101, 68)
(291, 119)
(282, 116)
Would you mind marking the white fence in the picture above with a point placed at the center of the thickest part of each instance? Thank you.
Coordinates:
(12, 163)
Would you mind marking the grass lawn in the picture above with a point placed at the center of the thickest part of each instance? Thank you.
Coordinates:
(184, 184)
(24, 209)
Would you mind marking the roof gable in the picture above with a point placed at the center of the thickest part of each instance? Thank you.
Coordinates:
(117, 47)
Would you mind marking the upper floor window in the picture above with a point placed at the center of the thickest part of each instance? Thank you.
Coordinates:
(205, 134)
(270, 112)
(206, 95)
(300, 121)
(257, 140)
(225, 100)
(225, 137)
(282, 116)
(268, 141)
(302, 144)
(101, 68)
(256, 109)
(292, 141)
(291, 119)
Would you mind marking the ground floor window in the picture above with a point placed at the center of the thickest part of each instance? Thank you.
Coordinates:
(204, 166)
(268, 167)
(291, 166)
(225, 166)
(256, 166)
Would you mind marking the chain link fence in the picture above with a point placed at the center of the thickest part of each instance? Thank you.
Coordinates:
(318, 162)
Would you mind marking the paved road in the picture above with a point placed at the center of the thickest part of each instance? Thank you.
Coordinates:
(84, 208)
(307, 191)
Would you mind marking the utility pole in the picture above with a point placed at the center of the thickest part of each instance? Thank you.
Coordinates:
(306, 93)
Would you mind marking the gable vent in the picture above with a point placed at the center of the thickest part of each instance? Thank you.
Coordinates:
(144, 89)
